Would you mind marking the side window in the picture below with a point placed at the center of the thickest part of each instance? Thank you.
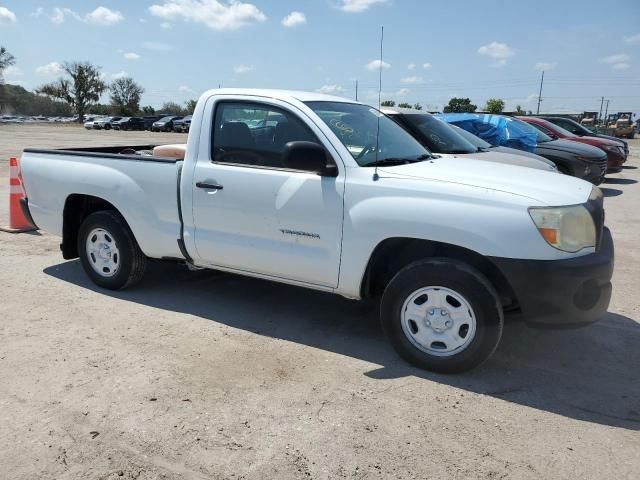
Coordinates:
(568, 126)
(254, 134)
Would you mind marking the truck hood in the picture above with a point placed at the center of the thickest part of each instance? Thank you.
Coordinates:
(576, 148)
(547, 188)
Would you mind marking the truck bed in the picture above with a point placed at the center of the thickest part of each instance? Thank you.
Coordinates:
(143, 188)
(120, 152)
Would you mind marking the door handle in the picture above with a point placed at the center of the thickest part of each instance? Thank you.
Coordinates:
(209, 185)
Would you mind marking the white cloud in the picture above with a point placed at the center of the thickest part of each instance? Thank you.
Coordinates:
(377, 64)
(101, 16)
(330, 89)
(619, 58)
(118, 75)
(499, 51)
(214, 14)
(157, 46)
(185, 89)
(243, 68)
(57, 16)
(618, 61)
(633, 39)
(402, 92)
(131, 56)
(620, 66)
(52, 68)
(426, 65)
(412, 80)
(13, 71)
(7, 17)
(355, 6)
(104, 17)
(546, 66)
(294, 19)
(166, 25)
(411, 66)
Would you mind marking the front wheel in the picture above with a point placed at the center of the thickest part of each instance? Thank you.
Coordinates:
(442, 315)
(109, 252)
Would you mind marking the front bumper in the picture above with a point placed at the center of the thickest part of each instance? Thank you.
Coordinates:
(562, 293)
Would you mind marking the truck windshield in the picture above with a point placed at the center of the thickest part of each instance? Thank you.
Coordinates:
(436, 135)
(357, 128)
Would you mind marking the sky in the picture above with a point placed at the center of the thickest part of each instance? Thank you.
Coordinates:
(433, 50)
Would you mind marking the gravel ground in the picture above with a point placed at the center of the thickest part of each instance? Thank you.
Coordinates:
(206, 375)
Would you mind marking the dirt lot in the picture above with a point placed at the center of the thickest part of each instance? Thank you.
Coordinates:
(209, 376)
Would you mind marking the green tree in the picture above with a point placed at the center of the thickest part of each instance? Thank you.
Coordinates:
(172, 107)
(494, 105)
(190, 106)
(519, 110)
(6, 60)
(405, 105)
(460, 105)
(388, 103)
(82, 90)
(417, 106)
(18, 100)
(148, 110)
(125, 96)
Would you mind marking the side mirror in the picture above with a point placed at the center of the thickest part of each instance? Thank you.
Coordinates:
(309, 156)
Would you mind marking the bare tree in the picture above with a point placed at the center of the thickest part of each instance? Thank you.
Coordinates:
(81, 90)
(125, 95)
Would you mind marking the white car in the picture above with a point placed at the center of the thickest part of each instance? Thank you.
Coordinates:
(330, 194)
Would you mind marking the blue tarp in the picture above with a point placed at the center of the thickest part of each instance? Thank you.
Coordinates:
(497, 130)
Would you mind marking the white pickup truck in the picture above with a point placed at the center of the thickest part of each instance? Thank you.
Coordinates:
(327, 193)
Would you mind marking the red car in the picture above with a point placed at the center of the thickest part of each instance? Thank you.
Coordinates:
(614, 150)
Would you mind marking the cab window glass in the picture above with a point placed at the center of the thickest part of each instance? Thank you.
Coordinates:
(254, 134)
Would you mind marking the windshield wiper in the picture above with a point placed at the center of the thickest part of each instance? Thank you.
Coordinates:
(398, 161)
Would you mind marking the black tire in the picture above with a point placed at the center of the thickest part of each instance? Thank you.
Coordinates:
(466, 282)
(131, 262)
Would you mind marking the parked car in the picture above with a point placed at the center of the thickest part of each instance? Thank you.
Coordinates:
(582, 131)
(483, 146)
(89, 123)
(182, 125)
(150, 119)
(165, 124)
(128, 123)
(572, 158)
(613, 149)
(105, 123)
(338, 198)
(439, 137)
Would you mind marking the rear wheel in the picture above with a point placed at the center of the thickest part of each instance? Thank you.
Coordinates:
(442, 315)
(109, 252)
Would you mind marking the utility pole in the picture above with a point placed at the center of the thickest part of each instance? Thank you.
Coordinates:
(540, 94)
(605, 112)
(356, 90)
(600, 114)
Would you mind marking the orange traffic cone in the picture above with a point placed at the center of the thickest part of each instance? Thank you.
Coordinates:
(17, 221)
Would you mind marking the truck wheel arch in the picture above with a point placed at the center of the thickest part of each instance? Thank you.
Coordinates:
(393, 254)
(77, 207)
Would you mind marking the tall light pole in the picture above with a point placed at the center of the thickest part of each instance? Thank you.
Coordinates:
(600, 114)
(605, 113)
(540, 93)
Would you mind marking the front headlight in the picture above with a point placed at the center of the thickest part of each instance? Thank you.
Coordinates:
(569, 229)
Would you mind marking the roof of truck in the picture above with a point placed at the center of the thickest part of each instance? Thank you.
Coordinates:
(280, 94)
